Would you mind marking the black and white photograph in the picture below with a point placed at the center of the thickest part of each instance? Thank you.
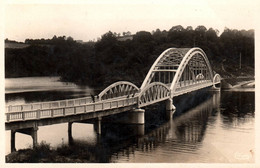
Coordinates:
(111, 82)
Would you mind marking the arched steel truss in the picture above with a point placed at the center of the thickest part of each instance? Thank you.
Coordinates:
(196, 60)
(217, 79)
(154, 92)
(121, 88)
(176, 71)
(180, 67)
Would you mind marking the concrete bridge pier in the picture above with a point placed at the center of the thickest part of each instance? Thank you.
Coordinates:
(13, 140)
(34, 136)
(70, 138)
(136, 116)
(170, 109)
(97, 125)
(28, 131)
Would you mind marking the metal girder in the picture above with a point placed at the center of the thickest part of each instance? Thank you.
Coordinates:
(183, 66)
(173, 61)
(164, 70)
(117, 89)
(195, 53)
(157, 63)
(154, 92)
(217, 79)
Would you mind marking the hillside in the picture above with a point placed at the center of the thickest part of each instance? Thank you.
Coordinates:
(108, 60)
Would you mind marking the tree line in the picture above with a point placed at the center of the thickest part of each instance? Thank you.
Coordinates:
(108, 60)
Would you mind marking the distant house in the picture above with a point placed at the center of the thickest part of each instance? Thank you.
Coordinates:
(124, 38)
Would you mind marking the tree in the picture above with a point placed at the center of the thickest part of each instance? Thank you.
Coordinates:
(189, 28)
(176, 35)
(69, 39)
(128, 33)
(108, 60)
(143, 36)
(177, 28)
(108, 39)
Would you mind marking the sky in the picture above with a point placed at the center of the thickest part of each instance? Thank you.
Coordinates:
(89, 20)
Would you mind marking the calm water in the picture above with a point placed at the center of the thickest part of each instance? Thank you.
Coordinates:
(206, 127)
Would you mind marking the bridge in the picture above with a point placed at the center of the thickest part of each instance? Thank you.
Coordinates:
(175, 72)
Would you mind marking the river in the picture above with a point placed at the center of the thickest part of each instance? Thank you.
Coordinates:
(207, 127)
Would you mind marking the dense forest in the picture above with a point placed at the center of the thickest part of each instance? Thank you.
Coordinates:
(108, 60)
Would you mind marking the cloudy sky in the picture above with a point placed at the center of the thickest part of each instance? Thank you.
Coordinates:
(88, 20)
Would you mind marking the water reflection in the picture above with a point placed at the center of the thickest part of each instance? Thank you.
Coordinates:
(237, 108)
(184, 133)
(205, 128)
(196, 135)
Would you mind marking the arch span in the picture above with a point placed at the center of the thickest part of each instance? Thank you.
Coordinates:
(216, 80)
(153, 93)
(165, 65)
(117, 89)
(197, 60)
(179, 68)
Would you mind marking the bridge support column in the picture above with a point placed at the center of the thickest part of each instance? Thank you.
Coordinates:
(70, 139)
(34, 136)
(13, 140)
(97, 126)
(170, 109)
(28, 131)
(136, 116)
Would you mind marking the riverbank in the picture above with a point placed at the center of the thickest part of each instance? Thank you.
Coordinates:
(43, 153)
(238, 83)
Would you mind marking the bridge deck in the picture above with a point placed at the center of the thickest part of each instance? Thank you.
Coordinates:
(189, 88)
(37, 111)
(37, 114)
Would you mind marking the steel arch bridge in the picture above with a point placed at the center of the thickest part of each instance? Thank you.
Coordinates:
(180, 70)
(175, 72)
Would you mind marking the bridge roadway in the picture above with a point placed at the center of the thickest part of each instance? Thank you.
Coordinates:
(54, 112)
(175, 72)
(60, 114)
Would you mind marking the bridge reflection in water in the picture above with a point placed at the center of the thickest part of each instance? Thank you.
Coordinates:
(184, 133)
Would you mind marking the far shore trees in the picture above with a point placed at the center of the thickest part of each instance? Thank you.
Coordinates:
(109, 60)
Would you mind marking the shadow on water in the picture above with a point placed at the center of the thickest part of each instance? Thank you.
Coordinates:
(182, 134)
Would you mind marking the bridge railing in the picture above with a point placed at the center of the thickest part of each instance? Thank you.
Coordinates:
(189, 88)
(35, 114)
(49, 105)
(186, 83)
